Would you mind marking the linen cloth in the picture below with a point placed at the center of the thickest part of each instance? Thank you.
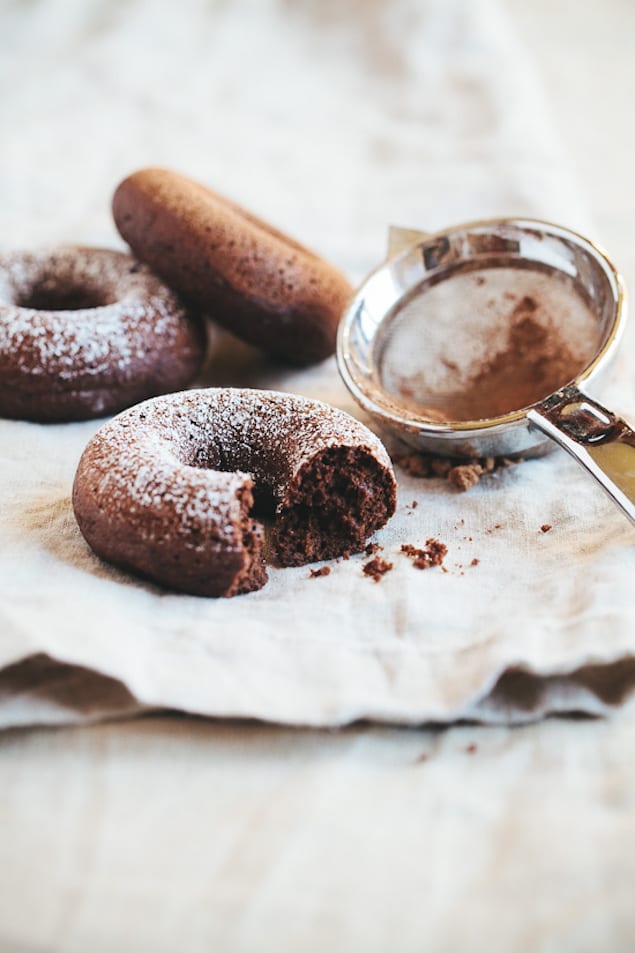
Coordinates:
(332, 120)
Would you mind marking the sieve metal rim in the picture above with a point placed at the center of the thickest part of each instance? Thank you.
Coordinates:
(377, 401)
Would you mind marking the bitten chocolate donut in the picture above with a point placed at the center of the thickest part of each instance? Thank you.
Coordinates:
(86, 331)
(250, 278)
(166, 489)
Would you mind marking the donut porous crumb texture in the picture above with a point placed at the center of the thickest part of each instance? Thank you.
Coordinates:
(247, 276)
(169, 488)
(88, 331)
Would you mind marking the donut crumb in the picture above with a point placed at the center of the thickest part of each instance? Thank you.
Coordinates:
(545, 527)
(463, 474)
(322, 571)
(432, 555)
(376, 568)
(415, 464)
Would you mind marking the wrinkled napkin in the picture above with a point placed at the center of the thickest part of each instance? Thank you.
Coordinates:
(332, 120)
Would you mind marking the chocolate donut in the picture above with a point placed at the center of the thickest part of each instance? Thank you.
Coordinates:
(86, 331)
(166, 489)
(246, 275)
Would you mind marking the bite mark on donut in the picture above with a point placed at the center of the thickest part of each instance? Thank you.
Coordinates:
(335, 503)
(253, 575)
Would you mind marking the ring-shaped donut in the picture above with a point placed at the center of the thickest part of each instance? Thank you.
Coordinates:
(85, 332)
(166, 489)
(249, 277)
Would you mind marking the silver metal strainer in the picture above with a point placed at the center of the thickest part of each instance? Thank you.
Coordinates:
(487, 339)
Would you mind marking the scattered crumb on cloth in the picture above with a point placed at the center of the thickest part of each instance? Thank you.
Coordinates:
(466, 476)
(432, 554)
(462, 474)
(376, 568)
(322, 571)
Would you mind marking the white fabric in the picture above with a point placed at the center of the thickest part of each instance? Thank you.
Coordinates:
(331, 122)
(179, 834)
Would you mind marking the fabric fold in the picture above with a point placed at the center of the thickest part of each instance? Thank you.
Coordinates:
(419, 114)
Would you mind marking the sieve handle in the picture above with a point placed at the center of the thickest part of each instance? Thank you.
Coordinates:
(603, 443)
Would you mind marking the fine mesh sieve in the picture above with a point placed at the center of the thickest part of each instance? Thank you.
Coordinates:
(487, 340)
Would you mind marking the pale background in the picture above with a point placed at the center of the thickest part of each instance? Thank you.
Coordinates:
(172, 833)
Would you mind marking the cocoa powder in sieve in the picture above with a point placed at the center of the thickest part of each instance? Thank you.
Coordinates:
(482, 352)
(535, 362)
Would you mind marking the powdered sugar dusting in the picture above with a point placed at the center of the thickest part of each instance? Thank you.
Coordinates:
(140, 316)
(172, 456)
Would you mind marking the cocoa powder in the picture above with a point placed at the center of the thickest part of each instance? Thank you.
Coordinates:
(535, 362)
(481, 346)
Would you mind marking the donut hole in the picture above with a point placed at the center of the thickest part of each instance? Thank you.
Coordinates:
(264, 505)
(208, 456)
(51, 295)
(336, 502)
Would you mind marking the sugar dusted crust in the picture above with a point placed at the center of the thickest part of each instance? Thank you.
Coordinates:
(166, 489)
(246, 275)
(88, 331)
